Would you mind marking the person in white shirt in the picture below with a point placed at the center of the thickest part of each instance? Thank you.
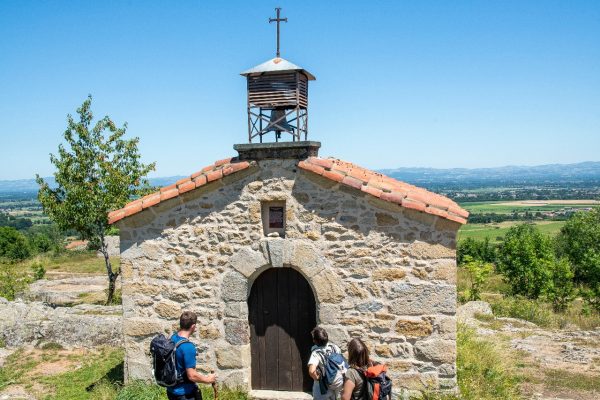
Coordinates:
(319, 351)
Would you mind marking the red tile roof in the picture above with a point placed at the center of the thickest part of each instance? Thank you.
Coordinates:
(208, 174)
(373, 183)
(385, 188)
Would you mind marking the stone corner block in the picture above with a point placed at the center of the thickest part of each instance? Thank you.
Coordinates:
(138, 326)
(232, 357)
(422, 299)
(443, 351)
(236, 331)
(234, 287)
(246, 261)
(328, 287)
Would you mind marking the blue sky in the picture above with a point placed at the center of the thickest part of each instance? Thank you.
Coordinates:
(399, 83)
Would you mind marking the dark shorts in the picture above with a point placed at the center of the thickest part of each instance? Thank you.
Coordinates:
(196, 395)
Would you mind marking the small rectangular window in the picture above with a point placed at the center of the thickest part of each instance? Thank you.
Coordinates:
(276, 217)
(273, 217)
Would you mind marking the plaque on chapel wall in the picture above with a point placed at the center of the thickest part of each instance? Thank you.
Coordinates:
(275, 217)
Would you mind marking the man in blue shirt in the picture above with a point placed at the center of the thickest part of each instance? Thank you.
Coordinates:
(186, 362)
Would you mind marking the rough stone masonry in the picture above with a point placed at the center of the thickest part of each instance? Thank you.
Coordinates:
(379, 270)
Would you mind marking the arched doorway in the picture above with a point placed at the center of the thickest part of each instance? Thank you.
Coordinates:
(282, 313)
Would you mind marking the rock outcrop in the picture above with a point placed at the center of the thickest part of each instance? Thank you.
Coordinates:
(79, 326)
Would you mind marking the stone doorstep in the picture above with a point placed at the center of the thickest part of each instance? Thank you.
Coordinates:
(278, 395)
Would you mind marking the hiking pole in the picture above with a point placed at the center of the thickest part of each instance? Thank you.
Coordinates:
(215, 387)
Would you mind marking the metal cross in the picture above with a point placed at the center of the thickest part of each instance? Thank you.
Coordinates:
(278, 20)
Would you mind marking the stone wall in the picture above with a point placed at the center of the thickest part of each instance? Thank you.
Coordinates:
(378, 271)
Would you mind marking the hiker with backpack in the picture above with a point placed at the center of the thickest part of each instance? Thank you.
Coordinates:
(326, 366)
(174, 361)
(365, 379)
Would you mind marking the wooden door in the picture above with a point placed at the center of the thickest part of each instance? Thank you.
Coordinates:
(282, 314)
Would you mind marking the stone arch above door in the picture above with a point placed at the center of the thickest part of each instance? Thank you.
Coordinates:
(276, 253)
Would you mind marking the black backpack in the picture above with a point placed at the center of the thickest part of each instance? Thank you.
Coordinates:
(164, 363)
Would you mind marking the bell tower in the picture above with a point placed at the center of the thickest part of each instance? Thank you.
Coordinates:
(277, 97)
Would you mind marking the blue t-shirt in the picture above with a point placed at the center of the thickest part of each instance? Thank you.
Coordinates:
(186, 358)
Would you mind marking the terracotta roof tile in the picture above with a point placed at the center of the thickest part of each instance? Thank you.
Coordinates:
(186, 186)
(133, 208)
(373, 183)
(333, 175)
(214, 175)
(150, 200)
(169, 194)
(385, 188)
(200, 180)
(208, 174)
(350, 181)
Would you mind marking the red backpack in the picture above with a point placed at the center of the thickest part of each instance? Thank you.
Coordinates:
(376, 384)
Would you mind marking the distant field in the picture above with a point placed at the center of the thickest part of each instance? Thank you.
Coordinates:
(497, 231)
(508, 207)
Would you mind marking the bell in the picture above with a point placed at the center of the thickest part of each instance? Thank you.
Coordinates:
(278, 123)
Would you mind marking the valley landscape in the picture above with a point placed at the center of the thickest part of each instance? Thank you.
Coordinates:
(541, 353)
(165, 174)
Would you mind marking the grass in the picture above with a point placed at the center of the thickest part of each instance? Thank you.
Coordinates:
(541, 313)
(485, 370)
(495, 291)
(74, 384)
(92, 375)
(560, 379)
(80, 261)
(139, 390)
(497, 231)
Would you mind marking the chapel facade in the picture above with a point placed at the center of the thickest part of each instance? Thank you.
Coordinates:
(268, 244)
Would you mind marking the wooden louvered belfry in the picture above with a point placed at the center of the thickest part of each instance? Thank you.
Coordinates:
(277, 98)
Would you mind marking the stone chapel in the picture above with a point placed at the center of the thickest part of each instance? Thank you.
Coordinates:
(268, 244)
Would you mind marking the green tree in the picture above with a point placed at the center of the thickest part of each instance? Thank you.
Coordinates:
(477, 271)
(13, 244)
(560, 290)
(525, 258)
(45, 238)
(96, 172)
(579, 241)
(476, 249)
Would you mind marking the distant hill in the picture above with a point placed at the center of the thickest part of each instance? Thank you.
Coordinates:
(551, 174)
(26, 186)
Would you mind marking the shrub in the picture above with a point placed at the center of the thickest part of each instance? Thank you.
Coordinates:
(525, 259)
(13, 244)
(591, 295)
(477, 273)
(579, 241)
(11, 281)
(52, 346)
(522, 308)
(560, 290)
(481, 250)
(38, 271)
